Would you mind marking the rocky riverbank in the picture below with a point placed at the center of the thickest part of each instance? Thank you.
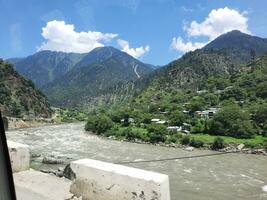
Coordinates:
(234, 148)
(14, 123)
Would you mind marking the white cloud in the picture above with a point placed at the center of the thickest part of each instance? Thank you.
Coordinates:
(179, 44)
(135, 52)
(62, 37)
(218, 21)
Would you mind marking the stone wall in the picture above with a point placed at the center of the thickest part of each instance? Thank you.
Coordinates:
(100, 180)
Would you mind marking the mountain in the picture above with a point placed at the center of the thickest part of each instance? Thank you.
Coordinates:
(93, 75)
(19, 97)
(45, 66)
(245, 47)
(224, 55)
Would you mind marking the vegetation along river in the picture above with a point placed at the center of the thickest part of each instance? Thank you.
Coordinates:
(221, 177)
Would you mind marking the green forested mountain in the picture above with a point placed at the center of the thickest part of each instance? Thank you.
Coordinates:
(89, 82)
(239, 101)
(223, 56)
(207, 91)
(18, 96)
(45, 66)
(242, 46)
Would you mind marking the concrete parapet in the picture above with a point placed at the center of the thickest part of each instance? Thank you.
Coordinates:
(105, 181)
(19, 156)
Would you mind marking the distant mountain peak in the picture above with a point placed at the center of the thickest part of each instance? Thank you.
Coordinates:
(239, 44)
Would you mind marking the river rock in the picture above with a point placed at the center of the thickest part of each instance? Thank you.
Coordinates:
(68, 173)
(189, 149)
(50, 160)
(240, 147)
(47, 171)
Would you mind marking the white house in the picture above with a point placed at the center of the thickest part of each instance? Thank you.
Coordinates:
(175, 128)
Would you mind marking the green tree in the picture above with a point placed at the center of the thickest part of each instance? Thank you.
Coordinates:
(157, 133)
(99, 124)
(177, 118)
(232, 121)
(196, 103)
(211, 99)
(235, 92)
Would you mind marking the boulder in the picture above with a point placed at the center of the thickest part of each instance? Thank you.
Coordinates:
(68, 173)
(50, 160)
(240, 147)
(189, 149)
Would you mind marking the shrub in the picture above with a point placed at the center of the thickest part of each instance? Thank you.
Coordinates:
(185, 140)
(157, 133)
(99, 124)
(218, 143)
(196, 143)
(172, 139)
(232, 121)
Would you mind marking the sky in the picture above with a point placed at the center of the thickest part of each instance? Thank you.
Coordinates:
(154, 31)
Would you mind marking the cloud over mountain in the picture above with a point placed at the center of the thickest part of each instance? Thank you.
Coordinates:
(135, 52)
(217, 22)
(63, 37)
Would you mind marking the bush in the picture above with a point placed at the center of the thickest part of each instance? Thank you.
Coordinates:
(185, 140)
(172, 139)
(157, 133)
(232, 121)
(196, 143)
(99, 124)
(218, 143)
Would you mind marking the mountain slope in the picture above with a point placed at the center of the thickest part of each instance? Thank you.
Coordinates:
(99, 70)
(223, 56)
(18, 96)
(45, 66)
(243, 46)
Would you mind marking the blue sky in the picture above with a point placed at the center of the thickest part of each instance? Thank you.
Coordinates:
(154, 31)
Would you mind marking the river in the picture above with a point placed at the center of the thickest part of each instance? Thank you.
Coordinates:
(221, 177)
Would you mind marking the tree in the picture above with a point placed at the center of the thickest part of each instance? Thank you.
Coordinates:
(196, 103)
(252, 54)
(177, 118)
(211, 99)
(99, 124)
(261, 90)
(235, 92)
(157, 133)
(232, 121)
(199, 126)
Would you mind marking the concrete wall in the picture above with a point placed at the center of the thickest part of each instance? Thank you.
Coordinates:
(96, 180)
(19, 156)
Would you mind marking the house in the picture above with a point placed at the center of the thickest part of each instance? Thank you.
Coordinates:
(155, 120)
(161, 122)
(186, 132)
(207, 113)
(175, 128)
(130, 120)
(186, 126)
(202, 91)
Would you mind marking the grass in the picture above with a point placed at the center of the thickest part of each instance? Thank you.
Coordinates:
(254, 142)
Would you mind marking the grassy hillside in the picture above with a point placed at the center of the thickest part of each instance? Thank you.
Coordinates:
(19, 97)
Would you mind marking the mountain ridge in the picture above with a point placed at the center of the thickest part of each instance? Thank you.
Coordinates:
(19, 97)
